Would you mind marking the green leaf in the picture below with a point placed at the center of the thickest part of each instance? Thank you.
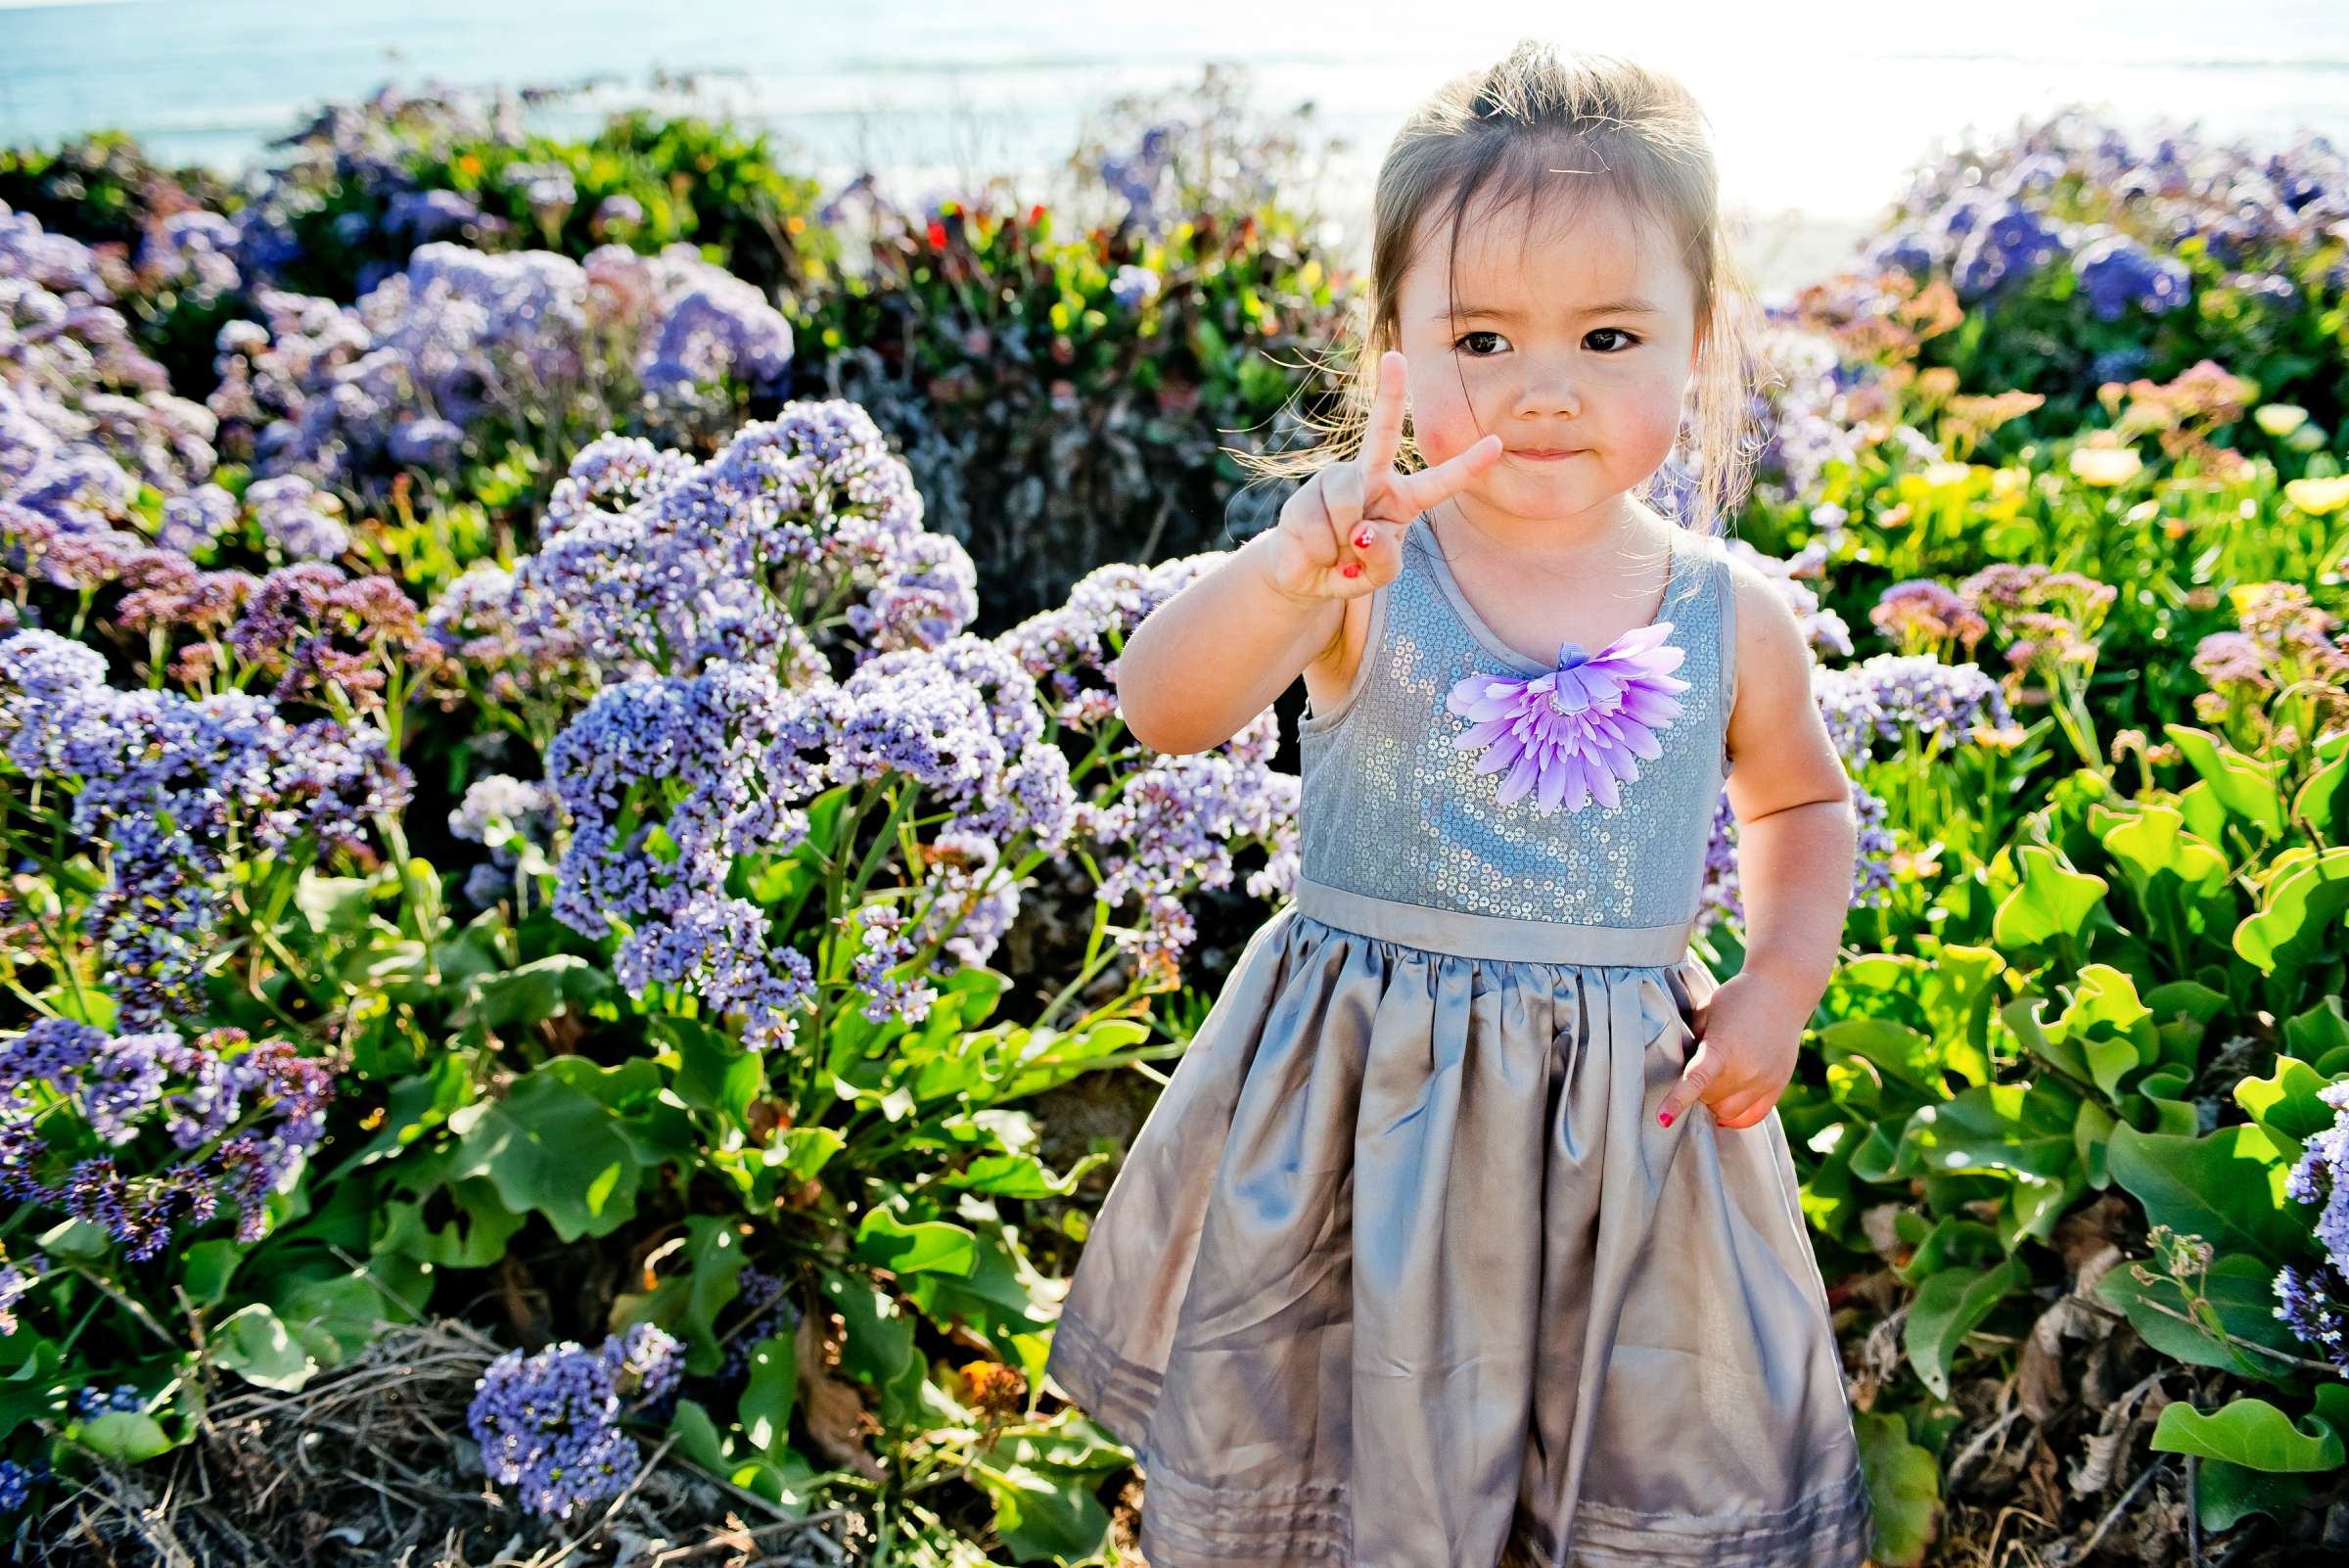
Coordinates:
(1043, 1511)
(1019, 1175)
(206, 1270)
(688, 1303)
(35, 1388)
(2241, 1291)
(2022, 1132)
(886, 1242)
(2301, 908)
(532, 993)
(1949, 1306)
(334, 905)
(552, 1148)
(714, 1073)
(126, 1437)
(2287, 1104)
(2053, 900)
(2250, 1432)
(1903, 1483)
(254, 1343)
(878, 1349)
(2228, 1187)
(766, 1397)
(2244, 786)
(1897, 1049)
(2153, 842)
(2225, 1495)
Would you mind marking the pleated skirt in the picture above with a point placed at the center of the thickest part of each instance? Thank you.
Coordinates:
(1402, 1271)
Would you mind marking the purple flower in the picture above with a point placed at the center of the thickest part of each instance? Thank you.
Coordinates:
(1570, 735)
(549, 1423)
(2309, 1300)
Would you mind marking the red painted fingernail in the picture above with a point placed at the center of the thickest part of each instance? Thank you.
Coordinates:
(1664, 1117)
(1352, 569)
(1363, 538)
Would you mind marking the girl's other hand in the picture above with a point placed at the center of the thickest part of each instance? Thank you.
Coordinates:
(1749, 1035)
(1341, 534)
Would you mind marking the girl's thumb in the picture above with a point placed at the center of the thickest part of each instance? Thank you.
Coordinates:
(1695, 1078)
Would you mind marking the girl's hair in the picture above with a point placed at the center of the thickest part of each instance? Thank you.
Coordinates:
(1627, 133)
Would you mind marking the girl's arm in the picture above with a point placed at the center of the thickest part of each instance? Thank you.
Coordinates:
(1798, 837)
(1217, 654)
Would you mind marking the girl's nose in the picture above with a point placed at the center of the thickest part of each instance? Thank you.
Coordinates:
(1550, 398)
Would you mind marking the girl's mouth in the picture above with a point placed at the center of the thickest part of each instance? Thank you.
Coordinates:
(1548, 454)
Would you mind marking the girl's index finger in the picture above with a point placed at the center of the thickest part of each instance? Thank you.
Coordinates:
(1430, 485)
(1384, 433)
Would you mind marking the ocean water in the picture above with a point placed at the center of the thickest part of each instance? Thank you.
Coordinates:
(1819, 113)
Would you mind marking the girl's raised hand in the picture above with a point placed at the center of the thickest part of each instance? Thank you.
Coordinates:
(1341, 534)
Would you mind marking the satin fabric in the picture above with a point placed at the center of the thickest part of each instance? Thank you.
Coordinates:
(1402, 1271)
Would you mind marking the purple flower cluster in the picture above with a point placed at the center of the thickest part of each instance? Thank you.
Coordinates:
(193, 251)
(333, 393)
(1177, 819)
(2006, 245)
(67, 1088)
(2160, 192)
(1920, 615)
(2286, 642)
(90, 1402)
(668, 780)
(298, 518)
(656, 562)
(2116, 272)
(773, 1314)
(1942, 704)
(510, 818)
(2312, 1301)
(1135, 287)
(1138, 176)
(549, 1423)
(169, 787)
(85, 416)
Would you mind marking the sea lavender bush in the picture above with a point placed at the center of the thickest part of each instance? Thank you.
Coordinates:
(463, 348)
(87, 418)
(146, 1136)
(549, 1424)
(172, 795)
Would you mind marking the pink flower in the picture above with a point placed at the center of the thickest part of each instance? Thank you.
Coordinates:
(1569, 734)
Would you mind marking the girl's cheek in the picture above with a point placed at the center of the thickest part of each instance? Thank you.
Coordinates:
(1443, 426)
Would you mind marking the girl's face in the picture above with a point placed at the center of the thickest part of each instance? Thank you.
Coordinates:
(1580, 338)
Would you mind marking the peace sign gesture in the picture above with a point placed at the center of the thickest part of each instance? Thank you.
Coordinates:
(1341, 534)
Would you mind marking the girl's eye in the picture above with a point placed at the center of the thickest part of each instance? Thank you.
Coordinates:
(1629, 341)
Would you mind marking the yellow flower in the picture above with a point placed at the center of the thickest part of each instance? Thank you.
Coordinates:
(2317, 496)
(2105, 465)
(2279, 419)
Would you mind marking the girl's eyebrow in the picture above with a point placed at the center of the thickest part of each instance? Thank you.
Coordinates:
(1632, 306)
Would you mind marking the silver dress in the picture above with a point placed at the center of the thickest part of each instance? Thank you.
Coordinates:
(1401, 1270)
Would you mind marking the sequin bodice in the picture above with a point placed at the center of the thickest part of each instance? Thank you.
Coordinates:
(1391, 808)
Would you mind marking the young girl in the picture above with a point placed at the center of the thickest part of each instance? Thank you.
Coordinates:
(1466, 1225)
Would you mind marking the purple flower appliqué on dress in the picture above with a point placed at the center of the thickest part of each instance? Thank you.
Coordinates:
(1569, 734)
